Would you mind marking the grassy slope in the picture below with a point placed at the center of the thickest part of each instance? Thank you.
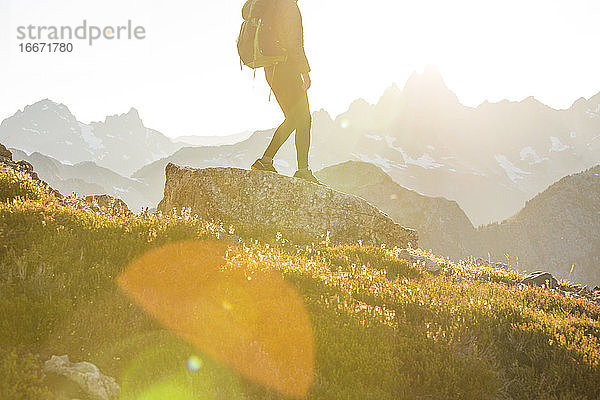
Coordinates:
(383, 329)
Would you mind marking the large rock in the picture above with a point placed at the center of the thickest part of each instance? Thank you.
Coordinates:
(256, 199)
(6, 160)
(4, 152)
(87, 376)
(110, 203)
(541, 279)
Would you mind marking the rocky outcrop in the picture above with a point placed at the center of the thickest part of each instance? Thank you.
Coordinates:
(5, 153)
(541, 279)
(93, 383)
(109, 203)
(256, 200)
(87, 178)
(6, 160)
(100, 202)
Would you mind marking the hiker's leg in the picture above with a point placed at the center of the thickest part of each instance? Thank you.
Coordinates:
(282, 133)
(303, 122)
(282, 84)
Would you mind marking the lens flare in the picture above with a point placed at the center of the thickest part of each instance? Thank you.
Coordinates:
(194, 364)
(259, 326)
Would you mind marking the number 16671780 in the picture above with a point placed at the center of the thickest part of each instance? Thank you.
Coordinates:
(46, 47)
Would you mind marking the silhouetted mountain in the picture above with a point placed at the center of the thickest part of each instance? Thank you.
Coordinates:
(87, 178)
(556, 229)
(121, 143)
(442, 226)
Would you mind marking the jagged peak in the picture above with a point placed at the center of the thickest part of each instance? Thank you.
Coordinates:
(392, 92)
(358, 106)
(133, 112)
(582, 101)
(430, 77)
(47, 105)
(360, 102)
(130, 117)
(428, 86)
(530, 99)
(322, 115)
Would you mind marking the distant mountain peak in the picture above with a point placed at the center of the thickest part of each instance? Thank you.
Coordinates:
(392, 92)
(48, 105)
(530, 99)
(133, 113)
(362, 173)
(428, 86)
(430, 75)
(322, 116)
(579, 102)
(359, 106)
(131, 118)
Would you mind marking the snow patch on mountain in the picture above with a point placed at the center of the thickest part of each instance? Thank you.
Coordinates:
(424, 161)
(87, 134)
(593, 113)
(513, 172)
(384, 163)
(531, 156)
(374, 137)
(557, 145)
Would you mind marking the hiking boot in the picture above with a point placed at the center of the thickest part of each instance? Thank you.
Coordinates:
(260, 165)
(307, 175)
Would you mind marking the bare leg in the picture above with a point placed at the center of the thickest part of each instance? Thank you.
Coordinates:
(303, 125)
(282, 133)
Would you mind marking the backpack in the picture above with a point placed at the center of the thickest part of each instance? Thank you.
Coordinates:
(255, 35)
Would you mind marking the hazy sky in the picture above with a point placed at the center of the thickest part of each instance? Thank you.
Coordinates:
(184, 78)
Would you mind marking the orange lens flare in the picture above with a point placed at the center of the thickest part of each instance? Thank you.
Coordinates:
(256, 324)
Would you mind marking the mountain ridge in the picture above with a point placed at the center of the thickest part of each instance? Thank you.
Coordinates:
(491, 159)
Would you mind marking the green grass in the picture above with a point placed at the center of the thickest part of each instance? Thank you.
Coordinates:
(383, 329)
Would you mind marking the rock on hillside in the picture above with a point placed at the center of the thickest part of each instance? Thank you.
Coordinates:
(442, 225)
(262, 200)
(88, 178)
(6, 160)
(109, 203)
(556, 229)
